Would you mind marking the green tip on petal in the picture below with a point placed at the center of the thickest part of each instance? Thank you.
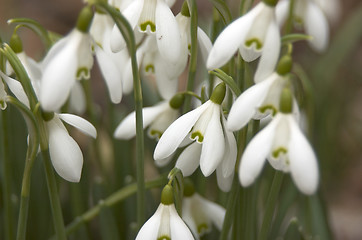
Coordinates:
(177, 101)
(285, 65)
(218, 94)
(167, 195)
(185, 11)
(47, 116)
(271, 3)
(85, 19)
(15, 43)
(286, 101)
(189, 188)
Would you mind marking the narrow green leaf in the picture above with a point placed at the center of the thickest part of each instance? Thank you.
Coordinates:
(223, 9)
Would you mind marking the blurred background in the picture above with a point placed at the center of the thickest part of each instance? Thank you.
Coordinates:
(336, 83)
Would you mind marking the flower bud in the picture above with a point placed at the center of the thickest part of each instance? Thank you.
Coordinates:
(218, 94)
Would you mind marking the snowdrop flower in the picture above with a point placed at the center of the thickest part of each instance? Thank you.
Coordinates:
(152, 17)
(111, 64)
(331, 8)
(157, 118)
(255, 34)
(165, 223)
(199, 213)
(261, 99)
(309, 15)
(286, 149)
(214, 146)
(69, 59)
(65, 154)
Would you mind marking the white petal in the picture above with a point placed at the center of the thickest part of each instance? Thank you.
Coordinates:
(65, 154)
(127, 128)
(214, 211)
(189, 159)
(167, 32)
(228, 163)
(303, 161)
(204, 42)
(229, 40)
(177, 131)
(316, 25)
(224, 183)
(270, 53)
(281, 12)
(77, 102)
(16, 88)
(245, 106)
(149, 230)
(187, 214)
(83, 125)
(256, 152)
(213, 146)
(132, 14)
(179, 230)
(167, 86)
(59, 73)
(249, 54)
(111, 74)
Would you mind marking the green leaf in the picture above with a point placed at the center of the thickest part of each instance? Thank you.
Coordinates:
(223, 9)
(36, 27)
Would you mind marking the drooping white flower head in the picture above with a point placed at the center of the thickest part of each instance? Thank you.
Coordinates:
(285, 147)
(65, 154)
(213, 147)
(157, 118)
(151, 17)
(310, 16)
(199, 213)
(165, 223)
(69, 59)
(261, 99)
(331, 8)
(255, 34)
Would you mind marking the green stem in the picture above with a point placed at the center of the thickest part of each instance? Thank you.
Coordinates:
(54, 198)
(193, 56)
(116, 197)
(6, 180)
(230, 210)
(271, 204)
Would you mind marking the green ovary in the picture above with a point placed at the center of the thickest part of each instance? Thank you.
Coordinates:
(144, 25)
(255, 41)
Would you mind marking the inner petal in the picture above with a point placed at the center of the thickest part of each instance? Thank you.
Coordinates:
(147, 22)
(198, 131)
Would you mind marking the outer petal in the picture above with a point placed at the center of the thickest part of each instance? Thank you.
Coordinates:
(187, 204)
(205, 43)
(127, 128)
(270, 54)
(189, 159)
(179, 230)
(281, 12)
(303, 161)
(77, 102)
(247, 103)
(316, 25)
(132, 14)
(167, 87)
(256, 152)
(80, 123)
(228, 163)
(224, 183)
(214, 211)
(111, 74)
(65, 154)
(177, 131)
(16, 89)
(149, 230)
(167, 32)
(229, 40)
(59, 73)
(213, 146)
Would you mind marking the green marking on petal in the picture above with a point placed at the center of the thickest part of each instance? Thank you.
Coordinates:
(144, 25)
(263, 109)
(280, 150)
(155, 133)
(150, 68)
(202, 228)
(164, 238)
(198, 136)
(83, 72)
(255, 41)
